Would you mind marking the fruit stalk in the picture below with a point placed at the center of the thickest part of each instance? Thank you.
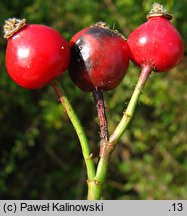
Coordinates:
(95, 186)
(79, 130)
(99, 101)
(129, 112)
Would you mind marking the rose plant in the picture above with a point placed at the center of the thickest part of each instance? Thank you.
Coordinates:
(97, 59)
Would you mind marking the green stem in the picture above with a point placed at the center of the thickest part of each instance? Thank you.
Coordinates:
(79, 130)
(128, 114)
(95, 186)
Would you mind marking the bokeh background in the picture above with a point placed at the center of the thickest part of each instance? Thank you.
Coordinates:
(40, 156)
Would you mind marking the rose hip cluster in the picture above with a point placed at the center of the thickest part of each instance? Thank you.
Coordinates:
(96, 57)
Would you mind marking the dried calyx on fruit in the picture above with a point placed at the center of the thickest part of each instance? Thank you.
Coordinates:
(36, 54)
(99, 58)
(158, 10)
(13, 25)
(156, 43)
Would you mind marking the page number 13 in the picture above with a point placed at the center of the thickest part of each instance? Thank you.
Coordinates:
(177, 206)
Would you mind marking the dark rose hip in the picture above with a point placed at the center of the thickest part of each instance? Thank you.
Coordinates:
(99, 58)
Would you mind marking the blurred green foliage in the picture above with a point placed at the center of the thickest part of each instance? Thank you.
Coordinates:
(40, 156)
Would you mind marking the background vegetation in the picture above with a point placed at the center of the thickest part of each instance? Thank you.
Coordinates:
(40, 156)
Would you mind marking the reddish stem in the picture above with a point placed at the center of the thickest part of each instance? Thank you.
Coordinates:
(99, 100)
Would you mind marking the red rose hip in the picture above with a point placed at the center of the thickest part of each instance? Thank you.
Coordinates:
(35, 54)
(156, 43)
(99, 58)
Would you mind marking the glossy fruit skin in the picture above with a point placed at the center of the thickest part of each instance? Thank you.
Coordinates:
(35, 55)
(156, 43)
(99, 59)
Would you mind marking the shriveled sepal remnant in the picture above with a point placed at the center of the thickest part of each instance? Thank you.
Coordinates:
(13, 25)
